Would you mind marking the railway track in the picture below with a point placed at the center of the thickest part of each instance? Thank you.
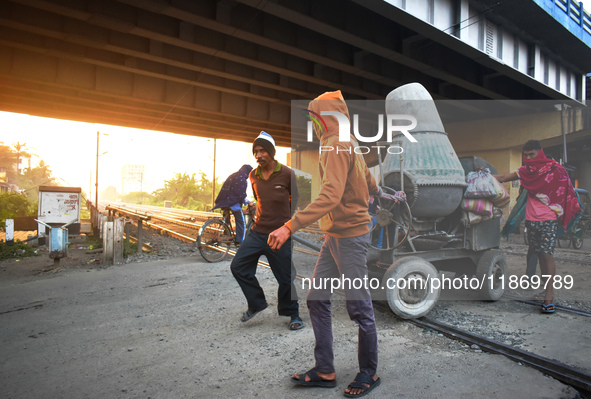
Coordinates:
(560, 371)
(180, 223)
(185, 225)
(579, 312)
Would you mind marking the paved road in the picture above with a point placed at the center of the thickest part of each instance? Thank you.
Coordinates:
(170, 329)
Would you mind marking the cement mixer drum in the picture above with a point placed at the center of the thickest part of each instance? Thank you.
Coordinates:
(434, 179)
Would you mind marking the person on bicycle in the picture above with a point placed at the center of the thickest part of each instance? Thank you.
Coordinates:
(275, 190)
(233, 195)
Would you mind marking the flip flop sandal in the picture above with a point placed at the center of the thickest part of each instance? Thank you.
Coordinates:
(249, 314)
(540, 295)
(548, 308)
(315, 380)
(296, 323)
(360, 382)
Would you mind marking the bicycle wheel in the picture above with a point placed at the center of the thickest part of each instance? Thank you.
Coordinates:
(214, 240)
(577, 243)
(563, 242)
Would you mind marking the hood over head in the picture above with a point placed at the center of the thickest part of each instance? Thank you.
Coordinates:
(244, 170)
(329, 101)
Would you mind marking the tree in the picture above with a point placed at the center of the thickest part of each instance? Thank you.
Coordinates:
(32, 178)
(178, 189)
(7, 162)
(14, 205)
(138, 197)
(20, 151)
(186, 191)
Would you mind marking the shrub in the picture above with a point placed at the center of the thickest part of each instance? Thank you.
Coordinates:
(18, 249)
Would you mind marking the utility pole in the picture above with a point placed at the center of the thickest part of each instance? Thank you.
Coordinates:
(213, 190)
(96, 178)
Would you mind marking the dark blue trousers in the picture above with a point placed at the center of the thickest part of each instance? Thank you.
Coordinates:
(240, 225)
(343, 258)
(244, 268)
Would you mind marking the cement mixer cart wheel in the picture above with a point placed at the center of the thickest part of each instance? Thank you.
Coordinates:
(391, 222)
(492, 271)
(409, 287)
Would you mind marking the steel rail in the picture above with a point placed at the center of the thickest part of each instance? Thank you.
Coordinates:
(579, 312)
(134, 240)
(154, 208)
(560, 371)
(173, 233)
(179, 222)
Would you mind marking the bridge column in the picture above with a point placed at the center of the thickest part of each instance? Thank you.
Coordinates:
(584, 174)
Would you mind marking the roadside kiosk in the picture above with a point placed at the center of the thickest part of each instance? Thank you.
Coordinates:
(58, 206)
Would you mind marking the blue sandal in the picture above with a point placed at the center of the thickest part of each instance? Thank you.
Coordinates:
(548, 308)
(296, 323)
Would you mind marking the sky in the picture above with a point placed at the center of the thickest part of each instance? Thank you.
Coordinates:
(69, 148)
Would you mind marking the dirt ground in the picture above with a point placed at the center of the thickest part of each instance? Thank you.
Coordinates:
(165, 325)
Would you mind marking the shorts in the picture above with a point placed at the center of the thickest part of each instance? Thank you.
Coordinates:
(542, 235)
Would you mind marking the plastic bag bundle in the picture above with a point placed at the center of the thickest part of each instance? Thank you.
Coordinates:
(470, 218)
(479, 206)
(502, 198)
(480, 184)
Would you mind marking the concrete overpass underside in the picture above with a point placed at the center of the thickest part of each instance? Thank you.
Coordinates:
(228, 69)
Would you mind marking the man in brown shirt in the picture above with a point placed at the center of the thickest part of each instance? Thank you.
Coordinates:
(275, 190)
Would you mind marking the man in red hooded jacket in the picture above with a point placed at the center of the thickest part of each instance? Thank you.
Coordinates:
(551, 198)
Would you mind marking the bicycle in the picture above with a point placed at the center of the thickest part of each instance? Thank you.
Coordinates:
(217, 235)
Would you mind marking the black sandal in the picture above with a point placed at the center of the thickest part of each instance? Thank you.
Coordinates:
(315, 380)
(249, 314)
(296, 323)
(361, 382)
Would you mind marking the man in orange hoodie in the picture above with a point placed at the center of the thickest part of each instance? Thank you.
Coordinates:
(342, 207)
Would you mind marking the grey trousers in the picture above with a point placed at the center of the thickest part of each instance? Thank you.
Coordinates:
(342, 258)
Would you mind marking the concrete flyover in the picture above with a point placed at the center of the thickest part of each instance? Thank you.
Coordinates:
(230, 68)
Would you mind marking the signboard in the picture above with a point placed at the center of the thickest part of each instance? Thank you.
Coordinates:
(60, 205)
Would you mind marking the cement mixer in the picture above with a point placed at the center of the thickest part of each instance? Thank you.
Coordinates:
(429, 238)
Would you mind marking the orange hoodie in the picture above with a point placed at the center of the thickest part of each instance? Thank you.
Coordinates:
(346, 182)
